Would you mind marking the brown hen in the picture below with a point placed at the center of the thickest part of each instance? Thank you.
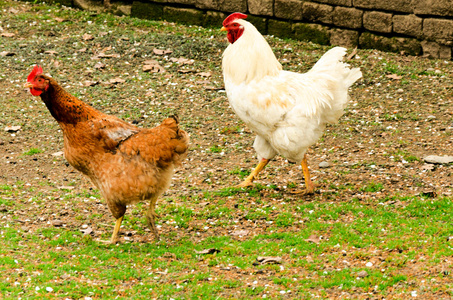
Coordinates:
(126, 163)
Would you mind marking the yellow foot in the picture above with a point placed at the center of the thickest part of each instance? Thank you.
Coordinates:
(245, 184)
(310, 190)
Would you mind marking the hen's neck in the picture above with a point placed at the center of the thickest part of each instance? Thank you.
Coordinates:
(64, 107)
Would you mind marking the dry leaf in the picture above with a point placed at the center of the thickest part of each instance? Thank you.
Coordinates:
(116, 80)
(205, 74)
(7, 53)
(59, 19)
(87, 37)
(208, 251)
(99, 66)
(182, 61)
(263, 260)
(13, 10)
(394, 76)
(12, 128)
(82, 50)
(90, 83)
(51, 52)
(153, 68)
(313, 239)
(87, 231)
(354, 52)
(103, 55)
(161, 52)
(7, 34)
(184, 71)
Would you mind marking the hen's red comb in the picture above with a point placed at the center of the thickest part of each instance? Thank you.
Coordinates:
(36, 71)
(232, 17)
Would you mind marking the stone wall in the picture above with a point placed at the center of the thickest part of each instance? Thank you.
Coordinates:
(416, 27)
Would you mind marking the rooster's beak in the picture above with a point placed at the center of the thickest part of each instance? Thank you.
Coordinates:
(223, 29)
(28, 85)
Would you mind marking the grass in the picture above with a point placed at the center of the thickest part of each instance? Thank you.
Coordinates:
(63, 263)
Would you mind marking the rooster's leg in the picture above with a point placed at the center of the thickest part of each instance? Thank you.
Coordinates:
(248, 181)
(150, 218)
(310, 186)
(116, 230)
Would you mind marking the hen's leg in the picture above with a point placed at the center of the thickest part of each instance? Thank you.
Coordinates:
(151, 216)
(116, 230)
(310, 186)
(248, 181)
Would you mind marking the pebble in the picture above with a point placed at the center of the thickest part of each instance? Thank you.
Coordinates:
(324, 164)
(362, 274)
(435, 159)
(400, 91)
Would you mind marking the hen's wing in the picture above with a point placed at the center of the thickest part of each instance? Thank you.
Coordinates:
(111, 131)
(163, 145)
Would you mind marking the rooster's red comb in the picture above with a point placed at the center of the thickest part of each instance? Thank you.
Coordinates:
(232, 17)
(36, 71)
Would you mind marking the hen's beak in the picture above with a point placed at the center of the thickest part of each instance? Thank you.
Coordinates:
(28, 85)
(223, 29)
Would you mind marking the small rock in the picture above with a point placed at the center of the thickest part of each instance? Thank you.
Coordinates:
(369, 264)
(59, 153)
(435, 159)
(324, 164)
(240, 233)
(362, 274)
(431, 117)
(57, 223)
(400, 91)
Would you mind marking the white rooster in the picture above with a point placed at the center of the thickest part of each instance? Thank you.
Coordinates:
(287, 111)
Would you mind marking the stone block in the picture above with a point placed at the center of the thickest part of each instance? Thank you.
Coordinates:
(312, 32)
(316, 12)
(335, 2)
(259, 23)
(390, 44)
(223, 5)
(344, 37)
(288, 9)
(377, 21)
(185, 2)
(407, 24)
(183, 15)
(435, 50)
(214, 19)
(150, 11)
(438, 29)
(67, 3)
(388, 5)
(261, 7)
(280, 28)
(347, 17)
(433, 7)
